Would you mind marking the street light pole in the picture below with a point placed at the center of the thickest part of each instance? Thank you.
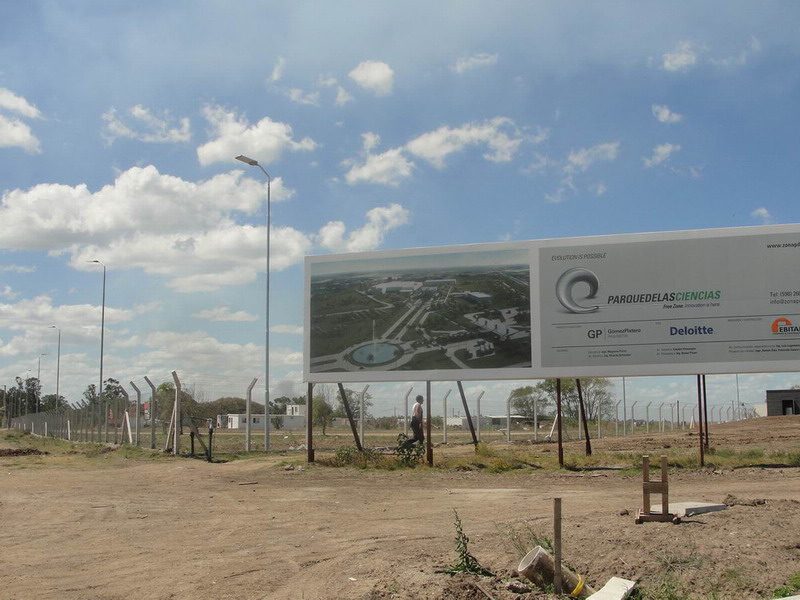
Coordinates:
(39, 378)
(58, 363)
(102, 339)
(254, 163)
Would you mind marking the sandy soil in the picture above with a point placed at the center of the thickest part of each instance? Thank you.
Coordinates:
(181, 528)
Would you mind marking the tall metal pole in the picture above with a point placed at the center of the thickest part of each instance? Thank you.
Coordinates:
(254, 163)
(102, 341)
(39, 380)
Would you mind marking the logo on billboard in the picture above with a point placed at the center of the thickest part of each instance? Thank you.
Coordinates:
(784, 325)
(568, 280)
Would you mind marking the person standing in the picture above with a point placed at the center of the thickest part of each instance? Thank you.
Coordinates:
(416, 424)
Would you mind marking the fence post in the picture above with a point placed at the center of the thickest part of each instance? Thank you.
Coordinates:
(361, 414)
(248, 418)
(122, 425)
(138, 408)
(508, 419)
(153, 411)
(176, 446)
(405, 414)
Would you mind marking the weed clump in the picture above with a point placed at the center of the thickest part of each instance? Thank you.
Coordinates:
(466, 562)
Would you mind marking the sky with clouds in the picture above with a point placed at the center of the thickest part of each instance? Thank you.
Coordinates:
(388, 125)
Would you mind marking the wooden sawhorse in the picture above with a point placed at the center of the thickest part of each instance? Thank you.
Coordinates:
(655, 487)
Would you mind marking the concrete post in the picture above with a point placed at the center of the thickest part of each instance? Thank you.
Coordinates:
(248, 418)
(683, 415)
(624, 411)
(616, 417)
(122, 424)
(508, 419)
(672, 416)
(361, 414)
(138, 408)
(647, 416)
(405, 414)
(152, 414)
(660, 418)
(176, 446)
(633, 416)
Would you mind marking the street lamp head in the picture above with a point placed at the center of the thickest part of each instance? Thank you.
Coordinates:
(247, 160)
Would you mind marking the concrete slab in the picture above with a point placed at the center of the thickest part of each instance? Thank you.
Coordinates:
(687, 509)
(615, 589)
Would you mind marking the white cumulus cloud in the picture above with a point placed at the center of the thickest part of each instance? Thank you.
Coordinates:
(665, 115)
(681, 58)
(374, 76)
(15, 133)
(300, 97)
(265, 140)
(468, 63)
(388, 168)
(9, 101)
(660, 153)
(380, 220)
(277, 70)
(582, 159)
(290, 329)
(224, 314)
(500, 135)
(762, 214)
(148, 126)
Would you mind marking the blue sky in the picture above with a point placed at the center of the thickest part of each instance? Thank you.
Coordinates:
(383, 125)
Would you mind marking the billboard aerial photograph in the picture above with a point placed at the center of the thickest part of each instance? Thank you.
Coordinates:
(438, 311)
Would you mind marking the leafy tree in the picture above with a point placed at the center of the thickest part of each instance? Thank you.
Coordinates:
(597, 398)
(323, 413)
(277, 406)
(525, 399)
(596, 395)
(90, 394)
(33, 393)
(49, 402)
(354, 400)
(277, 422)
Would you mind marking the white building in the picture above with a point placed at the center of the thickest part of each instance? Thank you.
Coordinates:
(288, 422)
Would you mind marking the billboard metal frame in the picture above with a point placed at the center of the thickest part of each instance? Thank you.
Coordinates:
(746, 263)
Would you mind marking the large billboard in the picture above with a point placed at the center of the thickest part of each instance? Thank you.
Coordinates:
(706, 301)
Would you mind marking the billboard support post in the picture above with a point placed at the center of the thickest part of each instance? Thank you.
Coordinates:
(444, 422)
(310, 424)
(558, 418)
(583, 418)
(705, 411)
(700, 421)
(350, 417)
(478, 408)
(466, 412)
(428, 441)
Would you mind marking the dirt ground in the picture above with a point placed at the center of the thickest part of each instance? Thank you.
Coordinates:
(180, 528)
